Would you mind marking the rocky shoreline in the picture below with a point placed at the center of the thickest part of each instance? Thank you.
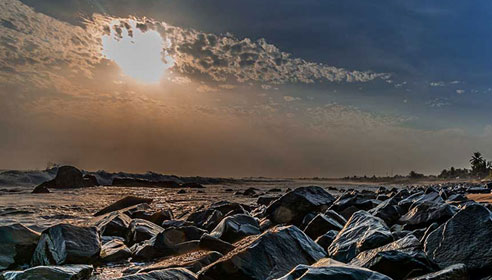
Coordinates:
(432, 232)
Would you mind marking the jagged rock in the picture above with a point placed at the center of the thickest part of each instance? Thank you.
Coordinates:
(176, 223)
(70, 177)
(65, 272)
(135, 209)
(465, 238)
(428, 230)
(141, 230)
(193, 261)
(453, 272)
(359, 201)
(165, 274)
(157, 217)
(362, 232)
(41, 189)
(388, 211)
(230, 208)
(67, 244)
(417, 198)
(114, 251)
(17, 244)
(266, 200)
(401, 259)
(267, 256)
(206, 219)
(329, 269)
(236, 227)
(349, 211)
(321, 224)
(337, 217)
(114, 224)
(250, 191)
(294, 205)
(425, 213)
(211, 243)
(123, 203)
(326, 239)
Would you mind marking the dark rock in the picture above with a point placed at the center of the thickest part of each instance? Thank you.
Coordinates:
(182, 234)
(321, 224)
(141, 230)
(157, 217)
(229, 208)
(193, 261)
(67, 244)
(465, 238)
(123, 203)
(165, 274)
(267, 256)
(266, 200)
(428, 230)
(228, 190)
(41, 189)
(329, 269)
(136, 210)
(176, 223)
(478, 189)
(326, 239)
(70, 177)
(265, 224)
(236, 227)
(335, 216)
(206, 219)
(307, 219)
(134, 182)
(114, 251)
(425, 213)
(114, 224)
(17, 244)
(401, 259)
(274, 190)
(181, 191)
(349, 211)
(250, 191)
(362, 232)
(294, 205)
(357, 201)
(65, 272)
(388, 211)
(453, 272)
(417, 198)
(208, 242)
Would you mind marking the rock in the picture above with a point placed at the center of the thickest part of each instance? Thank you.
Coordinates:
(157, 217)
(417, 198)
(208, 242)
(114, 224)
(465, 238)
(250, 191)
(426, 213)
(134, 182)
(181, 191)
(401, 259)
(236, 227)
(141, 230)
(114, 251)
(123, 203)
(192, 185)
(41, 189)
(428, 230)
(388, 211)
(453, 272)
(329, 269)
(349, 211)
(193, 261)
(183, 234)
(230, 208)
(265, 224)
(358, 201)
(206, 219)
(478, 189)
(266, 200)
(362, 232)
(321, 224)
(326, 239)
(266, 256)
(70, 177)
(67, 244)
(337, 217)
(294, 205)
(17, 244)
(65, 272)
(274, 190)
(165, 274)
(176, 223)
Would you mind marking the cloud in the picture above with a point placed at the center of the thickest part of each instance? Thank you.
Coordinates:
(460, 91)
(438, 102)
(437, 84)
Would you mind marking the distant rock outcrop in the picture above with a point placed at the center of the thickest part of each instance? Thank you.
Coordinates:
(68, 177)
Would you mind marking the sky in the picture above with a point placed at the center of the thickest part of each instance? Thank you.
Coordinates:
(245, 88)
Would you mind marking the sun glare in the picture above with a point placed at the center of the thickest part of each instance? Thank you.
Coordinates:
(140, 56)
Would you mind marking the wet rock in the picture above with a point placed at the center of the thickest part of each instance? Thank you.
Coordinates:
(193, 261)
(358, 201)
(401, 259)
(428, 230)
(165, 274)
(176, 223)
(114, 224)
(206, 219)
(114, 251)
(294, 205)
(349, 211)
(274, 190)
(230, 208)
(236, 227)
(453, 272)
(67, 244)
(321, 224)
(465, 238)
(266, 256)
(123, 203)
(388, 211)
(65, 272)
(418, 198)
(141, 230)
(329, 269)
(362, 232)
(17, 244)
(157, 217)
(335, 216)
(326, 239)
(426, 213)
(250, 191)
(208, 242)
(41, 189)
(266, 200)
(70, 177)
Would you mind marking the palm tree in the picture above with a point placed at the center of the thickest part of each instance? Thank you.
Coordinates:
(479, 165)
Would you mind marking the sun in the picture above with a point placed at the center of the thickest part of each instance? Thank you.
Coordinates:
(140, 55)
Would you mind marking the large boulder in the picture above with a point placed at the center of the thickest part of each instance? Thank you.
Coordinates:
(67, 244)
(426, 213)
(210, 243)
(193, 261)
(123, 203)
(70, 177)
(141, 230)
(401, 259)
(326, 239)
(65, 272)
(329, 269)
(17, 244)
(206, 219)
(388, 211)
(465, 238)
(362, 232)
(453, 272)
(114, 251)
(164, 274)
(320, 225)
(420, 197)
(266, 256)
(114, 224)
(236, 227)
(294, 205)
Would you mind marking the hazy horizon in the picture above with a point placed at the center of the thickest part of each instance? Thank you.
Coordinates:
(240, 89)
